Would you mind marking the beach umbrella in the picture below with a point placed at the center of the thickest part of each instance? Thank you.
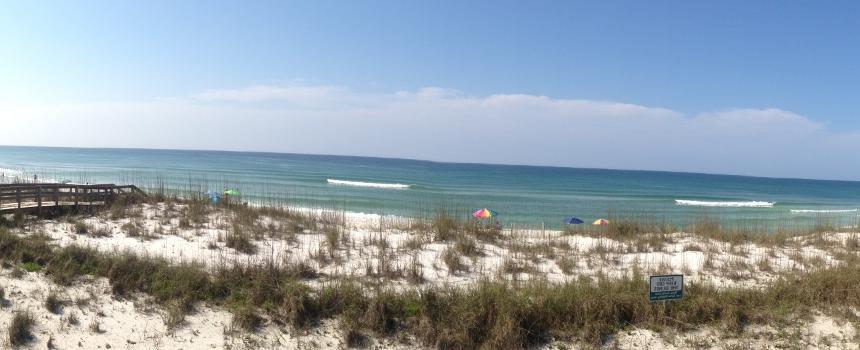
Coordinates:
(483, 213)
(572, 221)
(600, 222)
(231, 192)
(214, 197)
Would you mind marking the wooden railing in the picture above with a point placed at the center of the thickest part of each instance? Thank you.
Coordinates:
(39, 195)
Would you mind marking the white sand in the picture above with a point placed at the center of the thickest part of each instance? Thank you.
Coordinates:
(129, 326)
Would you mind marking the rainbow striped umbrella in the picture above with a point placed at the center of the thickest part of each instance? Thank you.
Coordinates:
(600, 222)
(483, 213)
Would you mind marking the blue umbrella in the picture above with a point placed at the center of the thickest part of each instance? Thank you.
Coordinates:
(214, 197)
(572, 221)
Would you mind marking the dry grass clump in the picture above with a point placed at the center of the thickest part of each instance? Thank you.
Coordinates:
(514, 266)
(132, 229)
(17, 220)
(467, 247)
(239, 240)
(414, 271)
(175, 315)
(72, 319)
(445, 227)
(414, 243)
(567, 264)
(136, 228)
(54, 303)
(245, 319)
(332, 237)
(485, 231)
(384, 266)
(96, 327)
(196, 212)
(119, 208)
(451, 258)
(81, 227)
(20, 329)
(353, 338)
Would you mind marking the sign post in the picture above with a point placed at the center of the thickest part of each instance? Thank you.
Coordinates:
(665, 287)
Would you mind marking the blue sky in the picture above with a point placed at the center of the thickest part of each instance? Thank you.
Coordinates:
(91, 61)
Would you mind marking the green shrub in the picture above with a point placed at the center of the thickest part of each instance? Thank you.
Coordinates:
(31, 266)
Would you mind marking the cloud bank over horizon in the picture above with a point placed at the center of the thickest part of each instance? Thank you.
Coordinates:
(447, 125)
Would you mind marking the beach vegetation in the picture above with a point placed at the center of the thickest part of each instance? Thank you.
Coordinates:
(96, 327)
(451, 258)
(246, 319)
(54, 303)
(16, 220)
(415, 271)
(238, 239)
(20, 328)
(31, 266)
(72, 319)
(492, 311)
(81, 227)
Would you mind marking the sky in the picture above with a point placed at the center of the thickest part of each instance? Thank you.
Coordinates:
(762, 88)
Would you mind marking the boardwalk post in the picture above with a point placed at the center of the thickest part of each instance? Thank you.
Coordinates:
(18, 196)
(57, 196)
(39, 201)
(76, 198)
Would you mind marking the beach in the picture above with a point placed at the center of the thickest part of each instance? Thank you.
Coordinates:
(386, 175)
(391, 254)
(332, 252)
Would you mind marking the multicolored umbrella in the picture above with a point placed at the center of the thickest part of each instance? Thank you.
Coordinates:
(484, 213)
(600, 222)
(572, 221)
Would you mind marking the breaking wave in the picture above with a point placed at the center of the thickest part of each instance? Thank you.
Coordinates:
(367, 184)
(9, 172)
(807, 211)
(750, 204)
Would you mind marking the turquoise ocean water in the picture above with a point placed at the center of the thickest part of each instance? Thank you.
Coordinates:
(521, 194)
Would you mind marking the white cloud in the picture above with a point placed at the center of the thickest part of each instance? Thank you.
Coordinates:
(444, 124)
(266, 93)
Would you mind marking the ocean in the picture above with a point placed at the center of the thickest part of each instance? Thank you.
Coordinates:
(526, 195)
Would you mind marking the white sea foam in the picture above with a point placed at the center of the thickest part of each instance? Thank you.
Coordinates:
(813, 211)
(367, 184)
(9, 172)
(750, 204)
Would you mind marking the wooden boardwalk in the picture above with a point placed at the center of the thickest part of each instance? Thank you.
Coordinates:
(37, 197)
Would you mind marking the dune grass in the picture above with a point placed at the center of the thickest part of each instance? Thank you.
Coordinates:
(489, 313)
(20, 329)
